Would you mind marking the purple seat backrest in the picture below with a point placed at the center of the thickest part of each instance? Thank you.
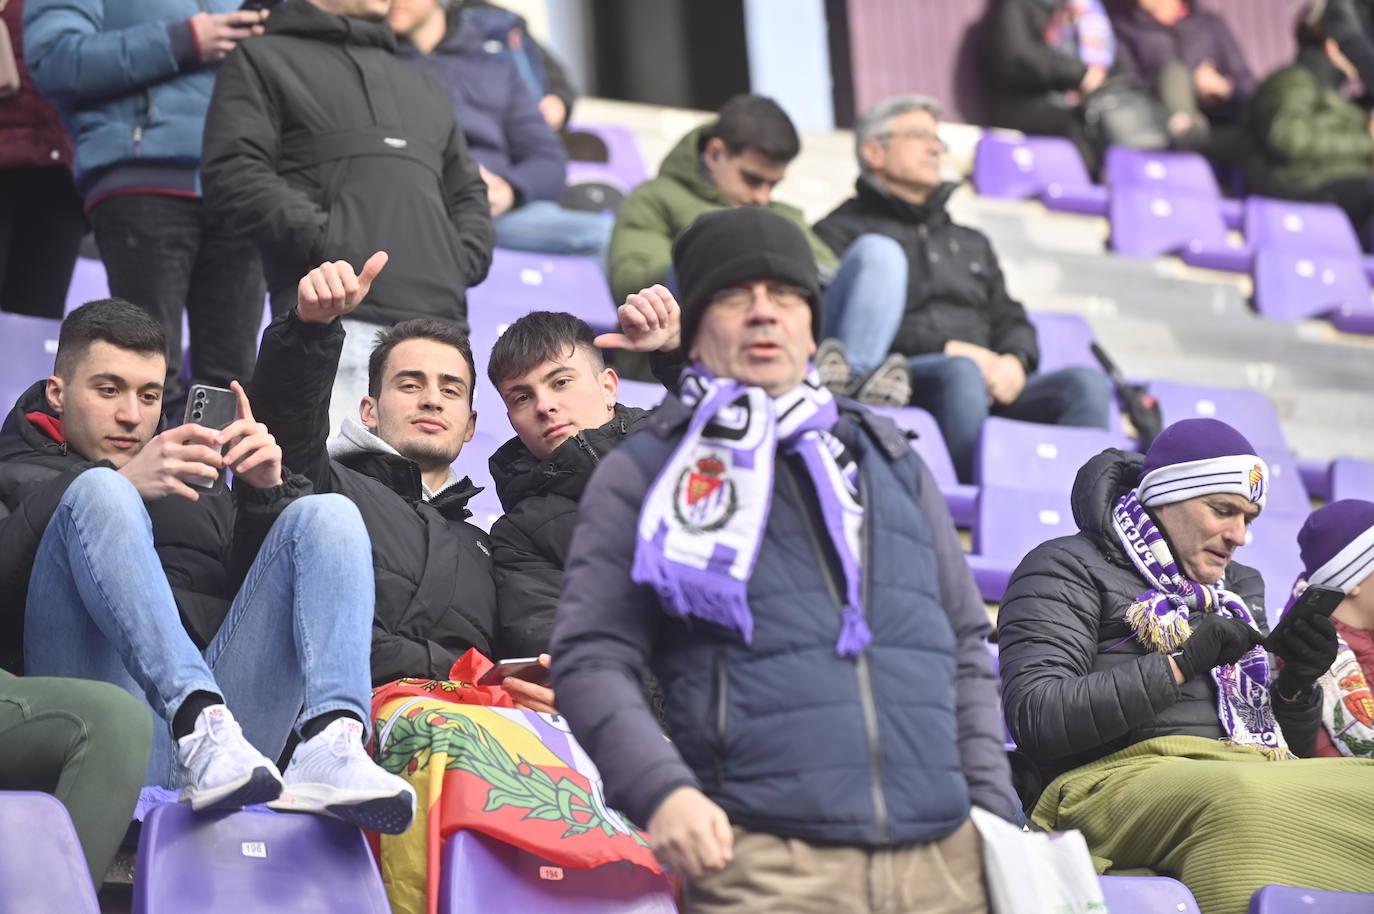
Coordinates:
(1064, 340)
(1012, 167)
(1150, 221)
(1292, 285)
(1300, 226)
(1274, 554)
(1287, 495)
(1351, 478)
(520, 282)
(1185, 172)
(1035, 457)
(1248, 411)
(929, 443)
(250, 862)
(472, 462)
(42, 867)
(30, 343)
(624, 158)
(644, 394)
(1147, 895)
(1012, 522)
(481, 875)
(1284, 899)
(89, 283)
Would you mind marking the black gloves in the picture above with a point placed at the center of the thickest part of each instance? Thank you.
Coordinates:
(1215, 641)
(1307, 650)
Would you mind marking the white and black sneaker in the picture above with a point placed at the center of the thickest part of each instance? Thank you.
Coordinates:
(832, 365)
(888, 385)
(331, 774)
(220, 769)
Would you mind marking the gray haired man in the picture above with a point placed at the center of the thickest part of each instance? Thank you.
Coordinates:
(967, 343)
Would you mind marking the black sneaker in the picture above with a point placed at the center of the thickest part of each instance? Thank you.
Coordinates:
(887, 385)
(832, 364)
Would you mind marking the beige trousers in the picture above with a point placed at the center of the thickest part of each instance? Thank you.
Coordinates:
(773, 875)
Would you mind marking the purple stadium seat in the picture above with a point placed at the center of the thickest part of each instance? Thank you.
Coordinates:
(1012, 522)
(1187, 172)
(42, 867)
(1273, 552)
(1294, 285)
(1285, 899)
(1316, 477)
(1148, 221)
(1287, 493)
(1249, 411)
(1300, 226)
(520, 282)
(930, 444)
(251, 862)
(1034, 457)
(88, 283)
(481, 874)
(643, 394)
(1064, 339)
(1012, 167)
(1147, 895)
(30, 343)
(1351, 478)
(1357, 317)
(623, 158)
(492, 432)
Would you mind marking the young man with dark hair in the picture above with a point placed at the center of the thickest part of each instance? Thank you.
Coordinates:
(561, 401)
(122, 555)
(435, 595)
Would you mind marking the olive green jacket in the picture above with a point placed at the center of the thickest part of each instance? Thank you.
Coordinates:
(657, 211)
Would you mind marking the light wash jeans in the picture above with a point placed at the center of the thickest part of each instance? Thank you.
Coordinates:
(865, 303)
(545, 227)
(295, 644)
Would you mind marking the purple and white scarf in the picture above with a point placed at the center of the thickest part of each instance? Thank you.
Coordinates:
(1082, 29)
(703, 519)
(1159, 618)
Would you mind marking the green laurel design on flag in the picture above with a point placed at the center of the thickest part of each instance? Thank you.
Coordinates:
(1362, 748)
(470, 747)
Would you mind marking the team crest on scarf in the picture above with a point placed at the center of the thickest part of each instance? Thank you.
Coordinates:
(1358, 701)
(704, 499)
(1257, 483)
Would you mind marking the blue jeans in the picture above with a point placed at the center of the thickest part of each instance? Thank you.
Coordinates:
(295, 644)
(865, 303)
(952, 389)
(545, 227)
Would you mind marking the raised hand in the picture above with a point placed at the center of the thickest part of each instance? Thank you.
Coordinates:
(216, 34)
(650, 321)
(161, 468)
(332, 289)
(251, 451)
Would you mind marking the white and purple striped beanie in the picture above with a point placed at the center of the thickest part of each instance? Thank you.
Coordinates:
(1337, 544)
(1200, 457)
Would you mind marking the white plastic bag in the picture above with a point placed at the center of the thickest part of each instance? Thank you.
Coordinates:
(1037, 872)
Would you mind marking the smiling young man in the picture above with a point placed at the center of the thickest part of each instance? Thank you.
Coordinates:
(789, 571)
(1136, 682)
(124, 558)
(435, 595)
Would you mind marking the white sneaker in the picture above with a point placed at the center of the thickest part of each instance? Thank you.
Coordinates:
(331, 774)
(219, 768)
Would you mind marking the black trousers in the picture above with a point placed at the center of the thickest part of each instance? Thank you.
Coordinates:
(165, 254)
(41, 227)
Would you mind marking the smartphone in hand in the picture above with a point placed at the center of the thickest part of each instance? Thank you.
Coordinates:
(210, 407)
(526, 668)
(1315, 601)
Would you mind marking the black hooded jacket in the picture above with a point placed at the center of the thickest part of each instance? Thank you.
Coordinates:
(529, 543)
(206, 546)
(955, 289)
(321, 144)
(1076, 684)
(435, 595)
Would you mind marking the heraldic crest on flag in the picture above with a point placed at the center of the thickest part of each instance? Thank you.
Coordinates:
(704, 499)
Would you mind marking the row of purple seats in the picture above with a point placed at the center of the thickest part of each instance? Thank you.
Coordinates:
(1352, 478)
(1155, 894)
(1010, 166)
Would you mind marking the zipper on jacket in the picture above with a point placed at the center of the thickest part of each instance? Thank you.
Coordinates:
(722, 677)
(591, 451)
(866, 704)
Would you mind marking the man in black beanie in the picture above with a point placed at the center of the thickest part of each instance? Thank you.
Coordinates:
(786, 566)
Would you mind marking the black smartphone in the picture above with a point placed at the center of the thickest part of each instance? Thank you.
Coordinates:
(526, 668)
(1315, 601)
(211, 407)
(258, 5)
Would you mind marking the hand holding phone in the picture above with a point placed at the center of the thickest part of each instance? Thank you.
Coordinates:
(213, 408)
(1314, 602)
(527, 668)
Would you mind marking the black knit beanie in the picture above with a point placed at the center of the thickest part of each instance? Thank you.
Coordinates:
(726, 247)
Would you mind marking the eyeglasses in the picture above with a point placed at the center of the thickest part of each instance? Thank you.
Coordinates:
(916, 133)
(781, 295)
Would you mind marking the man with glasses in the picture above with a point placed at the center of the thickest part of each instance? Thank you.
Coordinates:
(785, 564)
(967, 342)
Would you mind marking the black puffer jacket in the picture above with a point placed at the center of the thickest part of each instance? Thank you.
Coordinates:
(1076, 685)
(529, 543)
(955, 289)
(435, 595)
(321, 145)
(206, 546)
